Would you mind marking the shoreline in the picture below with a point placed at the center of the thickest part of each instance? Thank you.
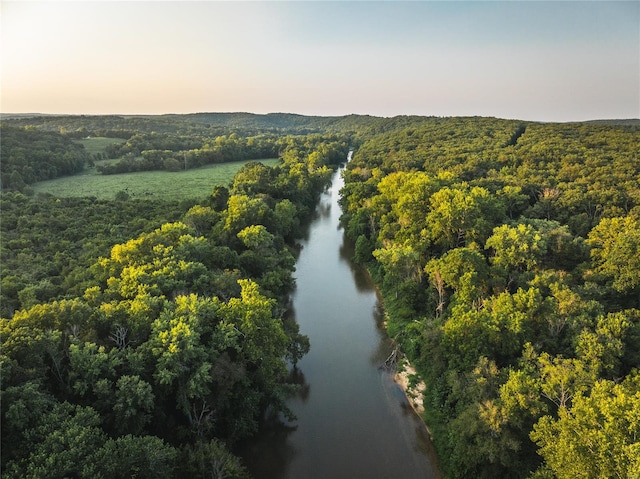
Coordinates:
(404, 377)
(414, 387)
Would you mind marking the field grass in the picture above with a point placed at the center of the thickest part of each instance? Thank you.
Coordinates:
(196, 183)
(98, 144)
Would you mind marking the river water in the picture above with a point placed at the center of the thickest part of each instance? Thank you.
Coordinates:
(353, 421)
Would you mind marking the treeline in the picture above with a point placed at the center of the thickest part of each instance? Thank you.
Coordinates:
(175, 342)
(508, 255)
(158, 151)
(197, 124)
(117, 126)
(29, 155)
(209, 124)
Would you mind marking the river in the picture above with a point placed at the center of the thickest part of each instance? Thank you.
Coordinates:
(353, 421)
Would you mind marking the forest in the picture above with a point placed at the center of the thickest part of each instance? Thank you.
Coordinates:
(508, 255)
(145, 338)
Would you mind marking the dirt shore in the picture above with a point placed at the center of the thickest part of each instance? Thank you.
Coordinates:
(412, 385)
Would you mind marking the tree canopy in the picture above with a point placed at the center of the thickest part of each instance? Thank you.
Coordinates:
(144, 339)
(525, 324)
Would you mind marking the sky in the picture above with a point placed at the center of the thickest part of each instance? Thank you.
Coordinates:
(531, 60)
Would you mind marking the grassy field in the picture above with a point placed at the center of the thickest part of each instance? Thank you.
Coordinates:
(196, 183)
(98, 144)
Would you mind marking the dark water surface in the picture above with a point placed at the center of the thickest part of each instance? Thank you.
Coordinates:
(353, 421)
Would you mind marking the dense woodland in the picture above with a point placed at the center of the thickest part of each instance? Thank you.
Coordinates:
(508, 254)
(145, 338)
(29, 155)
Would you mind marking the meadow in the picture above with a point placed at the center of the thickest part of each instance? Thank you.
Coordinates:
(196, 183)
(98, 144)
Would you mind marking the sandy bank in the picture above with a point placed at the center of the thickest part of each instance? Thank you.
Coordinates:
(412, 385)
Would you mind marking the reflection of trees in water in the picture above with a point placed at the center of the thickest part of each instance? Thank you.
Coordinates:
(385, 346)
(323, 210)
(360, 275)
(269, 452)
(296, 376)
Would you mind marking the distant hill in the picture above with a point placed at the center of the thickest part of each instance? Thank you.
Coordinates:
(623, 122)
(196, 123)
(213, 124)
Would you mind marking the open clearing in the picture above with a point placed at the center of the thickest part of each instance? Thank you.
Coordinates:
(98, 144)
(196, 183)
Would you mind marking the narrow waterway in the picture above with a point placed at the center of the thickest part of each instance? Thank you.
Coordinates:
(353, 421)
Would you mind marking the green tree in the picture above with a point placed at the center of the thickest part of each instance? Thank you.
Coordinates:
(461, 215)
(462, 270)
(65, 443)
(516, 247)
(264, 342)
(134, 401)
(615, 252)
(212, 460)
(399, 261)
(183, 357)
(144, 457)
(597, 437)
(90, 366)
(256, 237)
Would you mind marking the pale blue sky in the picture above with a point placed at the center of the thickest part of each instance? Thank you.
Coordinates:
(532, 60)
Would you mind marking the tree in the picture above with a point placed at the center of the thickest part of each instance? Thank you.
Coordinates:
(264, 342)
(603, 349)
(562, 378)
(598, 436)
(201, 219)
(516, 247)
(464, 270)
(134, 400)
(243, 211)
(615, 251)
(65, 443)
(252, 179)
(286, 218)
(256, 237)
(23, 407)
(90, 366)
(211, 460)
(461, 215)
(399, 261)
(143, 457)
(183, 357)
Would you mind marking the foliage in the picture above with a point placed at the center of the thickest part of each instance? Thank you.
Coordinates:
(143, 339)
(527, 235)
(48, 244)
(29, 155)
(597, 437)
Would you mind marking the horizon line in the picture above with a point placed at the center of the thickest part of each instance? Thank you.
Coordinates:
(17, 115)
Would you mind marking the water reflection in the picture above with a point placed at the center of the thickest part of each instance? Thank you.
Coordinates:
(296, 376)
(268, 454)
(360, 274)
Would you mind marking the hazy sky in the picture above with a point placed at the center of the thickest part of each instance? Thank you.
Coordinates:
(531, 60)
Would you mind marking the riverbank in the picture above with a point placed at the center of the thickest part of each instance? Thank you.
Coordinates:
(407, 378)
